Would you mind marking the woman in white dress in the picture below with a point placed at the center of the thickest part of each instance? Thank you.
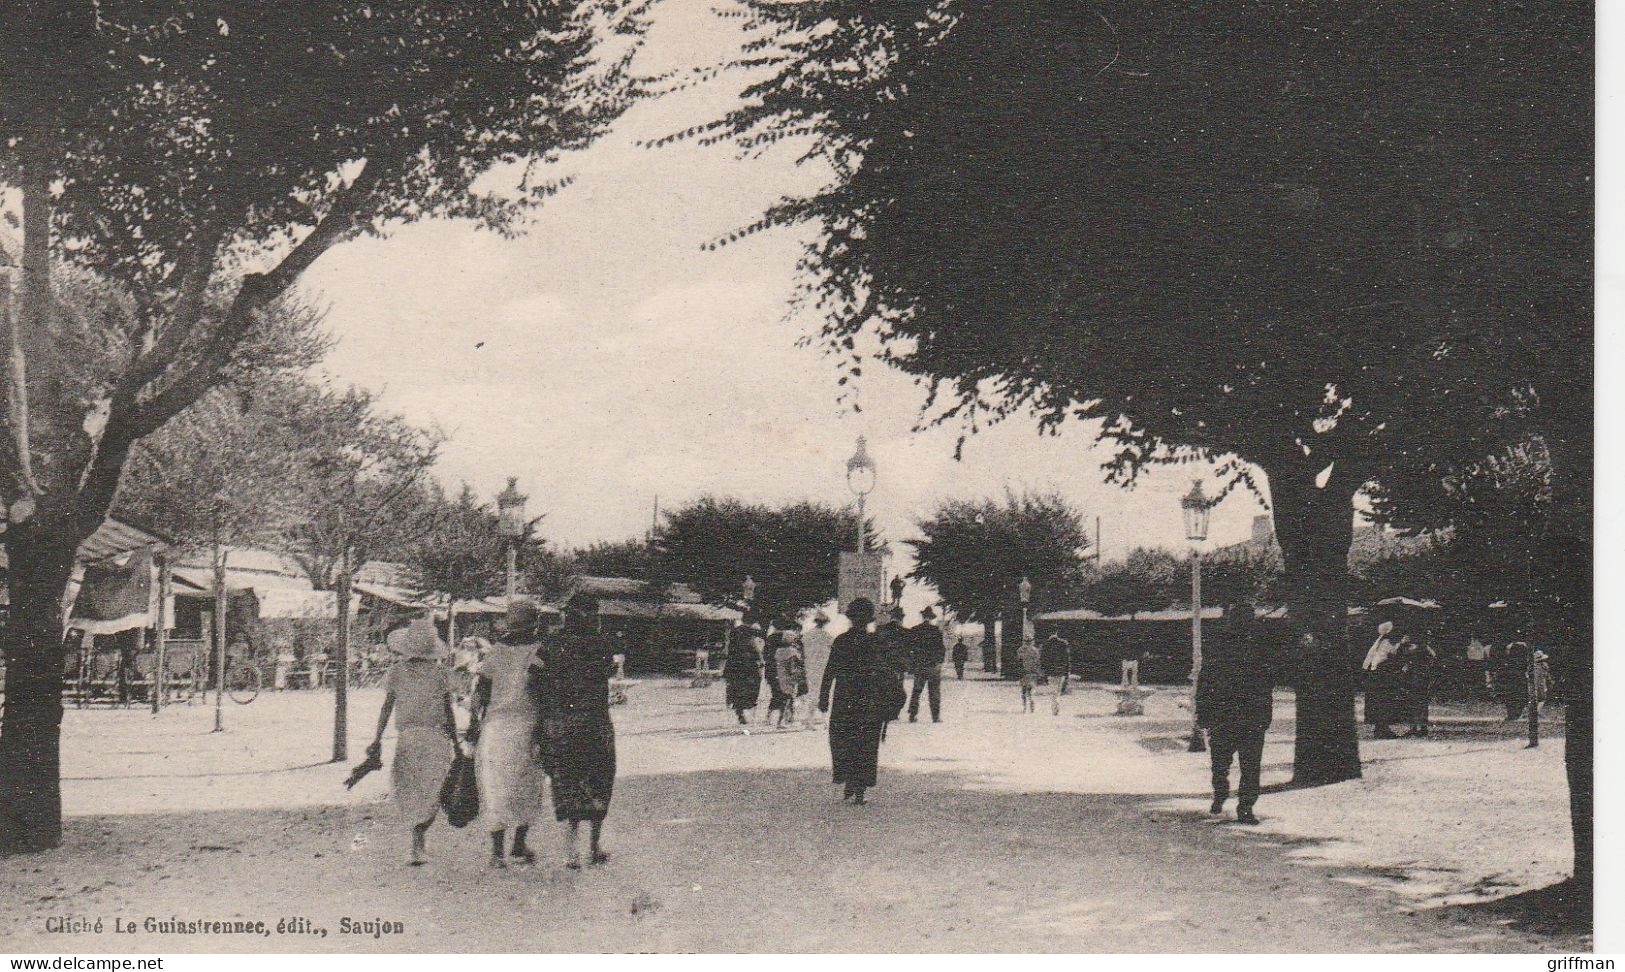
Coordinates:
(418, 692)
(503, 721)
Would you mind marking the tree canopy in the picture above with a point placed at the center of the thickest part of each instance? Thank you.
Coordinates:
(791, 553)
(194, 159)
(1291, 237)
(975, 552)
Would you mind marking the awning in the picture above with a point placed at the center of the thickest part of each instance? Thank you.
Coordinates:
(399, 596)
(116, 595)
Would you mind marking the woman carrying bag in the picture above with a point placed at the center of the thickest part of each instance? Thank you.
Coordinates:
(418, 693)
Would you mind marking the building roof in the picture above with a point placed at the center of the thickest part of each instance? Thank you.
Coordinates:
(618, 608)
(1173, 614)
(630, 589)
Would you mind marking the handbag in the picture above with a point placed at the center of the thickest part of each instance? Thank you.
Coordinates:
(460, 794)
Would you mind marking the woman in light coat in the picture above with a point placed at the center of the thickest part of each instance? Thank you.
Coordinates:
(503, 718)
(418, 693)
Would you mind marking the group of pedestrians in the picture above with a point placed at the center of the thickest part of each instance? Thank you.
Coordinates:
(538, 714)
(1398, 683)
(1049, 666)
(783, 657)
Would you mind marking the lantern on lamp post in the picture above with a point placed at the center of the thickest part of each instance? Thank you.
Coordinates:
(1196, 508)
(511, 524)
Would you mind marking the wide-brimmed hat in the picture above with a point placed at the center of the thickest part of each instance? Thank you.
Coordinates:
(861, 610)
(929, 614)
(417, 640)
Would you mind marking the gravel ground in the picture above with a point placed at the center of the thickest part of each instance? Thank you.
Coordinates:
(993, 831)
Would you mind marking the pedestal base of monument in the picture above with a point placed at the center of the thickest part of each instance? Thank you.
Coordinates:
(1130, 697)
(1130, 701)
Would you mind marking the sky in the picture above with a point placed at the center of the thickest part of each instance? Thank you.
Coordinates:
(606, 357)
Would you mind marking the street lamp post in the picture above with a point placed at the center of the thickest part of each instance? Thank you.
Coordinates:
(511, 524)
(1196, 506)
(1025, 589)
(860, 479)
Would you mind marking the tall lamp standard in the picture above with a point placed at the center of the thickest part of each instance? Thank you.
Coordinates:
(511, 525)
(1025, 589)
(860, 479)
(1196, 506)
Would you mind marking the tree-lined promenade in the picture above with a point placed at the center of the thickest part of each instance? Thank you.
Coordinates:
(1343, 261)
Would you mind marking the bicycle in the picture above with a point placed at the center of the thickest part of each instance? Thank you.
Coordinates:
(243, 682)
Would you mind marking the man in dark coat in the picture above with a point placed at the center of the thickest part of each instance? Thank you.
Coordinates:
(961, 656)
(1234, 703)
(895, 649)
(925, 661)
(1056, 653)
(858, 680)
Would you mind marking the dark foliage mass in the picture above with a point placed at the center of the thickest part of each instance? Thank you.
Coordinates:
(790, 553)
(975, 552)
(1345, 246)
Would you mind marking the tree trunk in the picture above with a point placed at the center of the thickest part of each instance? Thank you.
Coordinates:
(1315, 527)
(41, 561)
(341, 681)
(990, 644)
(219, 637)
(1010, 642)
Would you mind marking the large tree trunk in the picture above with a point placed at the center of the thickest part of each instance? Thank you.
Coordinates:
(1566, 572)
(41, 561)
(1315, 527)
(990, 644)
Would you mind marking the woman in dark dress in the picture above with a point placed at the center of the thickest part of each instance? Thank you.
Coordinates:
(777, 698)
(743, 671)
(855, 677)
(577, 736)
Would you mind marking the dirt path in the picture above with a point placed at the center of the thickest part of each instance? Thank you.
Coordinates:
(958, 852)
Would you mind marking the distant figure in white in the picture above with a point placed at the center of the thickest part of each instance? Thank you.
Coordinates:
(502, 721)
(815, 647)
(418, 692)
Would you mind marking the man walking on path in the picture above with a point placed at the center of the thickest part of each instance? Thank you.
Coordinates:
(1234, 703)
(894, 647)
(857, 691)
(1058, 659)
(925, 661)
(961, 656)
